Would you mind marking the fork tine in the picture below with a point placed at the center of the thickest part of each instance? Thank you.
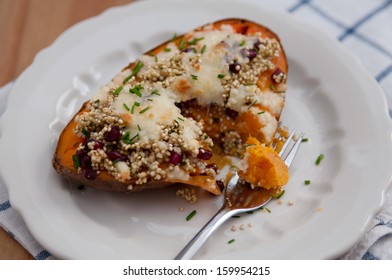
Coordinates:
(286, 144)
(291, 155)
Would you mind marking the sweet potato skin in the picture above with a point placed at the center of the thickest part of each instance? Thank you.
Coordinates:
(68, 141)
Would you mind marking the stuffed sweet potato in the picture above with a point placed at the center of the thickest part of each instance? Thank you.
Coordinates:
(181, 112)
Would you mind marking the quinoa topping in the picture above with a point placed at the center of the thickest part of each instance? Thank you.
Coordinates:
(138, 129)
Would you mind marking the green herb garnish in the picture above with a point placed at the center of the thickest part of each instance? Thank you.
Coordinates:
(181, 119)
(307, 182)
(174, 37)
(85, 132)
(203, 49)
(279, 195)
(126, 107)
(130, 141)
(251, 105)
(230, 241)
(155, 92)
(138, 128)
(144, 110)
(319, 159)
(194, 77)
(117, 91)
(242, 43)
(194, 41)
(190, 216)
(126, 136)
(135, 70)
(305, 140)
(76, 161)
(136, 90)
(181, 44)
(260, 113)
(167, 49)
(221, 76)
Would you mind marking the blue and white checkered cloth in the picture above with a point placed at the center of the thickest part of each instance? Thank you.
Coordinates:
(365, 28)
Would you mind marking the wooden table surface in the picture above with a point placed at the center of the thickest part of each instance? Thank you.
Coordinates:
(26, 27)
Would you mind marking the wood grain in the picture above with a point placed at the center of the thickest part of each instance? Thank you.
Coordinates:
(26, 27)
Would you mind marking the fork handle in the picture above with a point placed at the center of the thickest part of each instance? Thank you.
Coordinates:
(202, 236)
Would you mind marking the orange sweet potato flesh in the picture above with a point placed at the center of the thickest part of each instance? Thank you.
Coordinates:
(68, 141)
(265, 168)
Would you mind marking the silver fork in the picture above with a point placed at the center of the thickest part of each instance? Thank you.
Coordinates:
(239, 198)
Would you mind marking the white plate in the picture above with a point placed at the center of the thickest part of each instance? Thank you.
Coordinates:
(330, 97)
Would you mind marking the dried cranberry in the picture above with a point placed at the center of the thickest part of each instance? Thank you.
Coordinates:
(220, 185)
(80, 154)
(212, 166)
(113, 135)
(113, 155)
(90, 174)
(235, 67)
(277, 72)
(249, 53)
(85, 162)
(257, 44)
(175, 157)
(97, 144)
(231, 113)
(204, 154)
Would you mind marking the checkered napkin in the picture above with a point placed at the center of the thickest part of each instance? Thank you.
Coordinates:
(364, 27)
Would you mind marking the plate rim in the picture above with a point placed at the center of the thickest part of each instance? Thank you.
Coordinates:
(348, 56)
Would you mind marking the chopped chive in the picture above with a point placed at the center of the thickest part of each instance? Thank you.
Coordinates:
(305, 140)
(136, 90)
(279, 195)
(221, 76)
(131, 140)
(150, 99)
(242, 43)
(190, 216)
(133, 109)
(251, 105)
(144, 110)
(181, 119)
(126, 107)
(97, 101)
(194, 77)
(117, 91)
(126, 136)
(272, 87)
(167, 49)
(181, 44)
(319, 159)
(249, 84)
(136, 103)
(135, 70)
(155, 92)
(307, 182)
(194, 41)
(174, 37)
(138, 128)
(76, 161)
(260, 113)
(194, 50)
(269, 211)
(85, 132)
(203, 49)
(230, 241)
